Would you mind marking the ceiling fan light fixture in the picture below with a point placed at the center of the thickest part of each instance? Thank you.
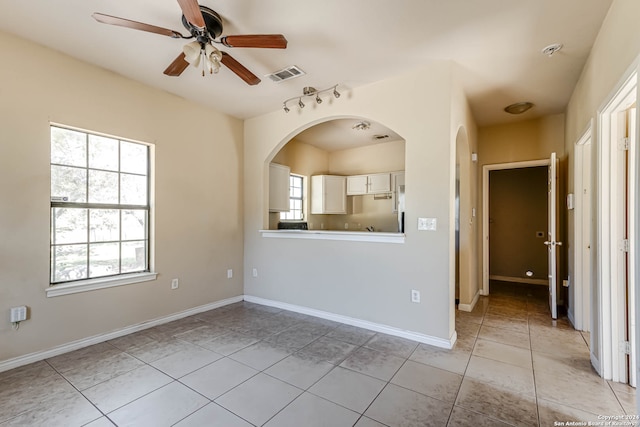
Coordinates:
(518, 107)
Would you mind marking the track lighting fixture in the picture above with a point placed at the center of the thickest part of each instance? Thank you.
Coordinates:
(310, 92)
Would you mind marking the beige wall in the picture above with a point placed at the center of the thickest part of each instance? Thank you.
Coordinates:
(384, 157)
(198, 196)
(363, 280)
(614, 53)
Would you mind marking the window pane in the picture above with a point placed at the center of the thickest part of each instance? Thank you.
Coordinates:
(69, 263)
(134, 225)
(103, 153)
(104, 225)
(133, 189)
(104, 259)
(70, 183)
(68, 147)
(103, 187)
(296, 192)
(134, 255)
(68, 225)
(133, 158)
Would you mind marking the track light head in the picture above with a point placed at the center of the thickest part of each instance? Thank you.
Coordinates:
(336, 93)
(318, 99)
(286, 109)
(300, 103)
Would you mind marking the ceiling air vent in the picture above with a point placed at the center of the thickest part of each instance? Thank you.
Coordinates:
(286, 74)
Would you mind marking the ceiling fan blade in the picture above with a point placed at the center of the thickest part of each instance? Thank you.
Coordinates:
(240, 70)
(177, 66)
(191, 11)
(114, 20)
(269, 41)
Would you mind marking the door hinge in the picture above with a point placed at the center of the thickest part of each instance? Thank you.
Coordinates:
(623, 145)
(624, 245)
(625, 347)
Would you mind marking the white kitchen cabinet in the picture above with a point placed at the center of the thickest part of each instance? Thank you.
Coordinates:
(328, 194)
(369, 184)
(278, 188)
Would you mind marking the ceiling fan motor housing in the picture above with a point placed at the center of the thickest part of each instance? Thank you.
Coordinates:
(212, 22)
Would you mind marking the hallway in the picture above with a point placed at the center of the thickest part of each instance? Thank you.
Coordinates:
(526, 369)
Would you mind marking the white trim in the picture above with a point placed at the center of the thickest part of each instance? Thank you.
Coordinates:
(611, 298)
(85, 342)
(485, 210)
(572, 320)
(98, 283)
(469, 307)
(352, 236)
(365, 324)
(519, 280)
(580, 313)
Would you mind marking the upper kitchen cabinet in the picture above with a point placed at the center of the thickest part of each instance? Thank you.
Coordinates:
(369, 184)
(278, 188)
(328, 194)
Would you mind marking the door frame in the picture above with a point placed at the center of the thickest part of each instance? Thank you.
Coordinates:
(581, 282)
(485, 210)
(610, 361)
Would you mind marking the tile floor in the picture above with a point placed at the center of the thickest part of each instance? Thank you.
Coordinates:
(247, 365)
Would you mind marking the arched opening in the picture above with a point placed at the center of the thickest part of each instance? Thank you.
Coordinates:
(352, 148)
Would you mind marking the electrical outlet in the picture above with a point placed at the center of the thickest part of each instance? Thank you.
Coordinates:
(254, 273)
(229, 273)
(18, 314)
(427, 224)
(415, 295)
(174, 284)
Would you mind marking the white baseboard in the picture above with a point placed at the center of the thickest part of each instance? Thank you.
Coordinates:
(570, 317)
(469, 307)
(85, 342)
(519, 280)
(376, 327)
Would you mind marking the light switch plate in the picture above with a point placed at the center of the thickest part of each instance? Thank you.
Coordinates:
(427, 224)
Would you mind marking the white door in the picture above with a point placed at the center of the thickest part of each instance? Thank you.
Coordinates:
(552, 244)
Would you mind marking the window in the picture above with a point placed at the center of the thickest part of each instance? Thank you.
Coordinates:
(99, 206)
(296, 199)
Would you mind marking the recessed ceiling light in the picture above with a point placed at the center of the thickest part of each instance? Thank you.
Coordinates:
(518, 107)
(551, 49)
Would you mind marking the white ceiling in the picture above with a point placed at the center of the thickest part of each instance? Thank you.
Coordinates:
(495, 43)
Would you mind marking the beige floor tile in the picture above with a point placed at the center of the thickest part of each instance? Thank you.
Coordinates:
(502, 376)
(397, 406)
(428, 380)
(185, 361)
(498, 403)
(454, 360)
(503, 353)
(218, 378)
(347, 388)
(464, 418)
(505, 336)
(312, 411)
(552, 412)
(213, 415)
(516, 325)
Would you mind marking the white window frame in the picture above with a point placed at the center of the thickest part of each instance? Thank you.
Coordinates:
(284, 216)
(89, 284)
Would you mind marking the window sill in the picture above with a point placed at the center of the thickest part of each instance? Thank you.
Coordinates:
(98, 283)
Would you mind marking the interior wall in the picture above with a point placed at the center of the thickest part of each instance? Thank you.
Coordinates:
(357, 279)
(518, 211)
(615, 50)
(198, 196)
(382, 157)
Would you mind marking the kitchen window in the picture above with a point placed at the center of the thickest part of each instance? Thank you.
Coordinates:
(100, 209)
(296, 199)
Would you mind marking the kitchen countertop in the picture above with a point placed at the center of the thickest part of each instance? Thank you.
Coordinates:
(354, 236)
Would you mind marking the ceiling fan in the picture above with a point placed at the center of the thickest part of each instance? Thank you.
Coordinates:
(205, 26)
